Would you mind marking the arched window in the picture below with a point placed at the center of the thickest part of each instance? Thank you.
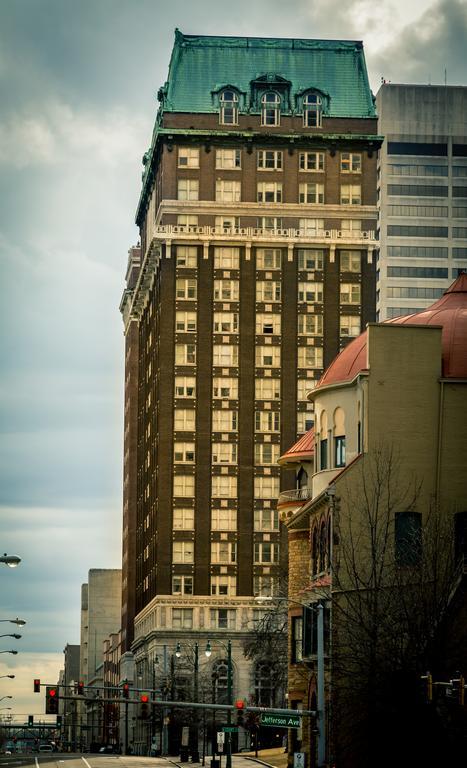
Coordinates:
(228, 114)
(323, 548)
(323, 442)
(270, 109)
(312, 110)
(264, 685)
(339, 438)
(314, 551)
(302, 478)
(220, 682)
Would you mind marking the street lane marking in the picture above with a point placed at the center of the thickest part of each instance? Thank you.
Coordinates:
(85, 762)
(37, 762)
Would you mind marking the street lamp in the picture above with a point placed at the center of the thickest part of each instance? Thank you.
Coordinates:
(17, 637)
(19, 622)
(208, 653)
(11, 560)
(10, 676)
(6, 697)
(13, 652)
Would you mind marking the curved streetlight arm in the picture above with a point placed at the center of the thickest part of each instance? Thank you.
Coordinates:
(17, 637)
(13, 652)
(11, 560)
(19, 622)
(10, 676)
(6, 697)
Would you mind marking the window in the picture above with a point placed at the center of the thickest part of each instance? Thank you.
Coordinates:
(311, 227)
(268, 324)
(185, 386)
(224, 585)
(407, 169)
(418, 252)
(224, 453)
(185, 354)
(431, 211)
(350, 325)
(222, 618)
(228, 191)
(182, 618)
(184, 452)
(270, 109)
(266, 586)
(351, 162)
(351, 225)
(266, 487)
(224, 486)
(409, 292)
(184, 420)
(228, 102)
(223, 552)
(182, 585)
(297, 639)
(224, 519)
(268, 258)
(226, 258)
(184, 486)
(185, 288)
(267, 421)
(408, 538)
(417, 190)
(266, 453)
(227, 159)
(419, 272)
(310, 291)
(270, 223)
(183, 551)
(268, 290)
(310, 259)
(186, 256)
(225, 322)
(305, 422)
(267, 389)
(312, 110)
(224, 421)
(188, 157)
(311, 193)
(350, 293)
(228, 222)
(339, 451)
(304, 386)
(183, 220)
(268, 357)
(187, 189)
(351, 194)
(269, 192)
(269, 160)
(265, 685)
(311, 161)
(225, 355)
(224, 388)
(405, 230)
(323, 454)
(350, 261)
(310, 357)
(226, 290)
(183, 519)
(266, 553)
(310, 325)
(185, 322)
(266, 520)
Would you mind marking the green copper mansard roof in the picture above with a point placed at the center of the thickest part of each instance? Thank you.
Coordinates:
(200, 66)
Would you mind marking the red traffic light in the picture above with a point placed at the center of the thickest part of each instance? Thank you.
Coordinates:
(126, 691)
(239, 704)
(52, 692)
(80, 688)
(37, 685)
(144, 698)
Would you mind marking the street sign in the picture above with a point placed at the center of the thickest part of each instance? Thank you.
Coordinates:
(298, 760)
(230, 728)
(281, 721)
(220, 737)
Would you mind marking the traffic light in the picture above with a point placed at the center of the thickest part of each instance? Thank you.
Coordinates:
(30, 720)
(144, 706)
(80, 689)
(37, 685)
(126, 691)
(240, 707)
(59, 721)
(51, 700)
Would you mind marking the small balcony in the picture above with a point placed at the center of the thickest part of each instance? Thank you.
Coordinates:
(296, 496)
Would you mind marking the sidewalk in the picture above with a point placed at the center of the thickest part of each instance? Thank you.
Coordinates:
(275, 758)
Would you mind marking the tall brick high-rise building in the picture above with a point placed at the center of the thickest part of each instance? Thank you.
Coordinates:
(257, 218)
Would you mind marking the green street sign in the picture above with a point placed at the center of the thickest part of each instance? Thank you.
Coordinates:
(281, 721)
(230, 728)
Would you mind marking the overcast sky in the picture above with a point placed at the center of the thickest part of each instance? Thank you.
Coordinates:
(78, 80)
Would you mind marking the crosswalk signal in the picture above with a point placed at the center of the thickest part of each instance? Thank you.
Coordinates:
(240, 707)
(37, 685)
(51, 700)
(30, 720)
(59, 721)
(80, 688)
(144, 706)
(126, 691)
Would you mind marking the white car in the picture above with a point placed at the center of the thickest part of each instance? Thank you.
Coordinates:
(46, 748)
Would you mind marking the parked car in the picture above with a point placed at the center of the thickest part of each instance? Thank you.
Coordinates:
(46, 748)
(110, 749)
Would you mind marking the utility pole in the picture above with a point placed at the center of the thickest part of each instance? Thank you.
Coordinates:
(321, 706)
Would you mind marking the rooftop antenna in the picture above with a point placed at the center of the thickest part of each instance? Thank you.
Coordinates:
(445, 76)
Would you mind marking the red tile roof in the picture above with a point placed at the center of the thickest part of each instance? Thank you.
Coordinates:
(303, 449)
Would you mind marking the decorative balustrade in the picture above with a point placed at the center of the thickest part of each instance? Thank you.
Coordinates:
(170, 230)
(297, 494)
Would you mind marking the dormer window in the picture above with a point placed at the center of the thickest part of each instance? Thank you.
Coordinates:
(270, 109)
(228, 114)
(312, 110)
